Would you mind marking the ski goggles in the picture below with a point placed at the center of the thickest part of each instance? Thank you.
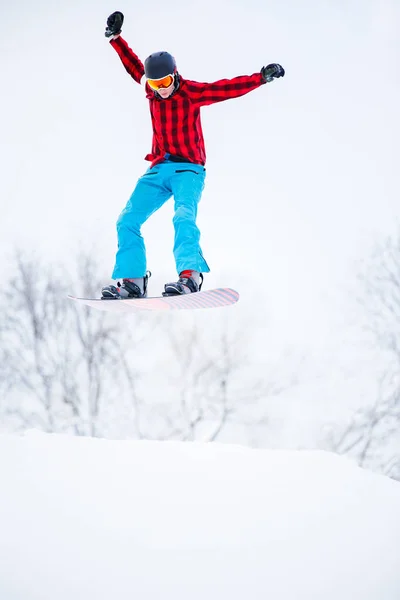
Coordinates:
(164, 82)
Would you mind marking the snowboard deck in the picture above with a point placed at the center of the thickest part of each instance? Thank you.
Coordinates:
(214, 298)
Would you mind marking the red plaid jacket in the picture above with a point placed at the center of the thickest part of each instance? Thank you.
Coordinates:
(176, 120)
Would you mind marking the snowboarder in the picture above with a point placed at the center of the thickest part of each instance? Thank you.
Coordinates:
(177, 165)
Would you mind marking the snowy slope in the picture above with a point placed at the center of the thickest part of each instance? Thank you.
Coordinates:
(98, 519)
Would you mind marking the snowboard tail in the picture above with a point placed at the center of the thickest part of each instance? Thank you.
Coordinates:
(207, 299)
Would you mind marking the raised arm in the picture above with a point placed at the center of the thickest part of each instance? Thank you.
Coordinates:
(131, 62)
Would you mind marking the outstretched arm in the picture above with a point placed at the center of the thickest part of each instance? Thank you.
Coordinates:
(131, 62)
(209, 93)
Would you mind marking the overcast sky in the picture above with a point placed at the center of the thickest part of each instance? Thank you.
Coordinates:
(302, 174)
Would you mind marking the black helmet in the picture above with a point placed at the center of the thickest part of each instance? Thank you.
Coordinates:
(159, 65)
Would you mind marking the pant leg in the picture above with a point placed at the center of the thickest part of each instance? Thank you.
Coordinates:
(148, 196)
(187, 184)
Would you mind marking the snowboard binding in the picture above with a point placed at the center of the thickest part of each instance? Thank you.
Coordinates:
(184, 285)
(128, 289)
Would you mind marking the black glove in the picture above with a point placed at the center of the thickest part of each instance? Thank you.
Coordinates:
(272, 71)
(114, 24)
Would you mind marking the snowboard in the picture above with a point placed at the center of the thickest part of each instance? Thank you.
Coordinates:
(207, 299)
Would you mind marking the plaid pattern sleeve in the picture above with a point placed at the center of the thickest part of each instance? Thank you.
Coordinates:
(131, 62)
(204, 94)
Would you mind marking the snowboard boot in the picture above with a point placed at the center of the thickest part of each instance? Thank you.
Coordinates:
(189, 282)
(130, 288)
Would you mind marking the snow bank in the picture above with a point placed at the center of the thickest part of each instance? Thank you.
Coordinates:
(113, 520)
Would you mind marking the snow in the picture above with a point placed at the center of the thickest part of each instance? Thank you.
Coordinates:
(84, 518)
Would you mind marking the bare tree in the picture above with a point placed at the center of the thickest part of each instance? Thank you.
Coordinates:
(59, 360)
(372, 436)
(209, 379)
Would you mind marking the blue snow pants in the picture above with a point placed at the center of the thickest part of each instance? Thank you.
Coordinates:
(185, 182)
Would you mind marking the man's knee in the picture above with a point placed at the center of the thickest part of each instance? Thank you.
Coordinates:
(185, 213)
(131, 219)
